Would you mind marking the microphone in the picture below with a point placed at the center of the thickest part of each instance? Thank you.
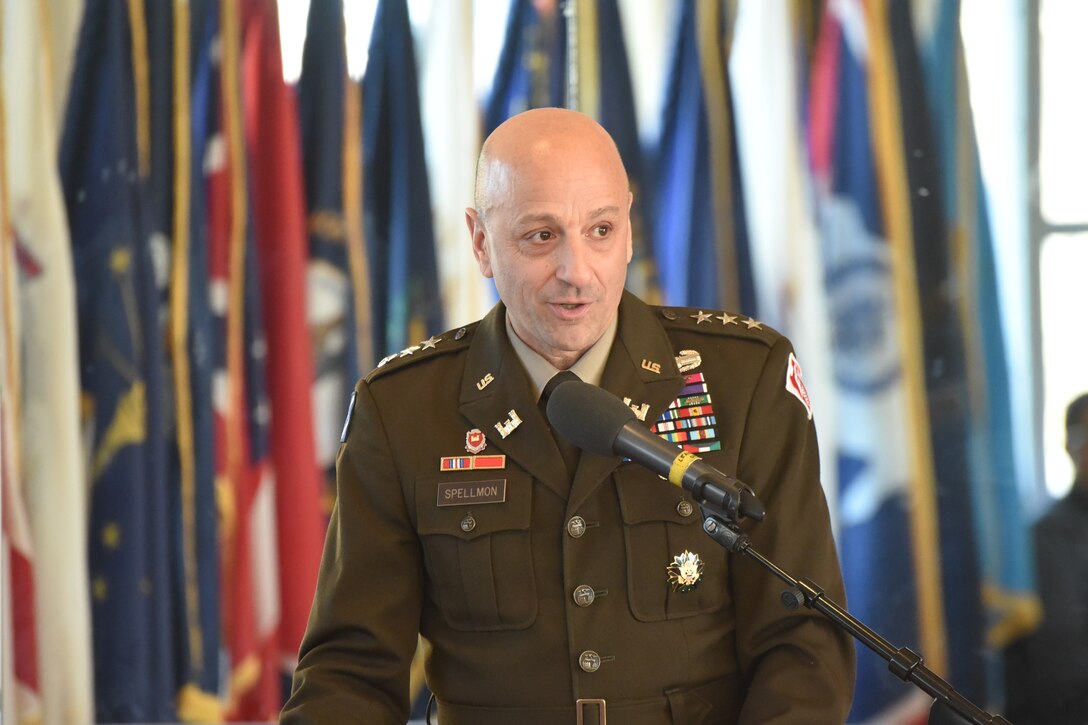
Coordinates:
(597, 421)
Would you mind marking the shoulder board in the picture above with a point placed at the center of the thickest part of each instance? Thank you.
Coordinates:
(428, 349)
(717, 322)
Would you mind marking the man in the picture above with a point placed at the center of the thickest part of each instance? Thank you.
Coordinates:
(548, 597)
(1047, 671)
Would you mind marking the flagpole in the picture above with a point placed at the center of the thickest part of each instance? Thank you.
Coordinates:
(570, 11)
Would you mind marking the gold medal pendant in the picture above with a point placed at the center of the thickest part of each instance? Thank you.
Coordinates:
(685, 571)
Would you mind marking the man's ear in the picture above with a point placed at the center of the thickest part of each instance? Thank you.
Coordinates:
(630, 230)
(478, 234)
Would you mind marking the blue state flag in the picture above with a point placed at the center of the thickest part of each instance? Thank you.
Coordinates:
(700, 233)
(531, 72)
(194, 493)
(104, 158)
(337, 288)
(1004, 544)
(887, 542)
(405, 302)
(534, 71)
(944, 362)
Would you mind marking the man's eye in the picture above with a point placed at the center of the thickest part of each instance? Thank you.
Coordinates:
(602, 230)
(542, 236)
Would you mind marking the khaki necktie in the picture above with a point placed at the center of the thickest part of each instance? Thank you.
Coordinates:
(569, 451)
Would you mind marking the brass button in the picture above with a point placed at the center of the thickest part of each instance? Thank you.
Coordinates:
(668, 314)
(468, 523)
(459, 334)
(584, 595)
(589, 661)
(684, 508)
(576, 527)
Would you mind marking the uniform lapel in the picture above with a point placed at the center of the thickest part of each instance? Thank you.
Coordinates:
(494, 384)
(642, 367)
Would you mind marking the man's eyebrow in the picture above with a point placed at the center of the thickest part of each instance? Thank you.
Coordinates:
(604, 211)
(538, 217)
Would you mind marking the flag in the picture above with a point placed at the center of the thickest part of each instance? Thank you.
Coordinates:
(786, 265)
(942, 338)
(120, 296)
(535, 69)
(910, 564)
(52, 478)
(181, 86)
(399, 232)
(19, 667)
(451, 134)
(1004, 544)
(64, 17)
(888, 528)
(337, 286)
(279, 223)
(532, 68)
(700, 230)
(250, 586)
(21, 677)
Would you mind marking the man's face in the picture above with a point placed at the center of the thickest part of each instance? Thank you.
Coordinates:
(556, 238)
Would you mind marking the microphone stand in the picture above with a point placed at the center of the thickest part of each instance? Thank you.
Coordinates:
(949, 707)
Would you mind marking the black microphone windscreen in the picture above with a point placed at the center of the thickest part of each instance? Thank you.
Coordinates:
(588, 416)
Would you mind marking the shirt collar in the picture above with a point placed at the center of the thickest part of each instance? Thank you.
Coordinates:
(589, 367)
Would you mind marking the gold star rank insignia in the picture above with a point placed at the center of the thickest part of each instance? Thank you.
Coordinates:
(429, 344)
(726, 318)
(701, 317)
(685, 571)
(752, 324)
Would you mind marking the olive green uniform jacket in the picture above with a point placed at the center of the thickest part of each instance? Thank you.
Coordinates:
(491, 586)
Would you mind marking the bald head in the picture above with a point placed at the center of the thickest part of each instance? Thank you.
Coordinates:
(541, 136)
(552, 227)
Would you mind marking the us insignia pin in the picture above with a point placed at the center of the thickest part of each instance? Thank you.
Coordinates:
(475, 441)
(653, 367)
(685, 571)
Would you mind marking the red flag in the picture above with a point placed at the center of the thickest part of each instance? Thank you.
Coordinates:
(278, 192)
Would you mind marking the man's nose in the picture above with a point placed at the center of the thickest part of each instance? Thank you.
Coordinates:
(573, 265)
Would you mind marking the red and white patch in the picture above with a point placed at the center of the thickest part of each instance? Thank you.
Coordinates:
(795, 384)
(475, 441)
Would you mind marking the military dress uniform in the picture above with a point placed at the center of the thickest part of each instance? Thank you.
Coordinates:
(548, 600)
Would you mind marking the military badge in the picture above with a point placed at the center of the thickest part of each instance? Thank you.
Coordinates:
(685, 571)
(795, 384)
(506, 427)
(475, 441)
(640, 411)
(688, 360)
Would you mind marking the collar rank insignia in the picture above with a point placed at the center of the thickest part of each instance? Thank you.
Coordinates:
(506, 427)
(475, 441)
(472, 463)
(685, 571)
(688, 360)
(640, 411)
(653, 367)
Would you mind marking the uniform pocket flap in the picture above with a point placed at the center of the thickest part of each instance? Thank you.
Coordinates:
(645, 497)
(471, 504)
